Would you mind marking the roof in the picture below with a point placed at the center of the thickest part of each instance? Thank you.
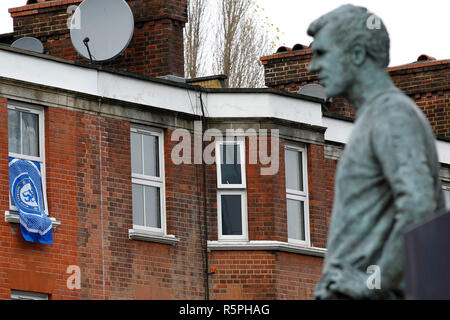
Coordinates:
(156, 79)
(423, 60)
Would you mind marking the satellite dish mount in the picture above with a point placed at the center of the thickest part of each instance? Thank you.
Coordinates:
(86, 43)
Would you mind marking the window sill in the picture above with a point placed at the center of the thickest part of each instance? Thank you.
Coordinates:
(13, 217)
(266, 245)
(143, 235)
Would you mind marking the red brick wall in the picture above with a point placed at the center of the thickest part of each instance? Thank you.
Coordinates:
(436, 106)
(321, 173)
(136, 269)
(185, 219)
(288, 71)
(250, 275)
(156, 48)
(61, 140)
(281, 275)
(94, 234)
(5, 228)
(266, 197)
(296, 276)
(428, 83)
(95, 221)
(31, 266)
(243, 275)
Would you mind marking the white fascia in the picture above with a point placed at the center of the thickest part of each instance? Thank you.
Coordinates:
(47, 72)
(263, 105)
(68, 76)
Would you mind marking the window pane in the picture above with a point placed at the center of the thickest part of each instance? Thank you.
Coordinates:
(151, 156)
(138, 204)
(296, 219)
(14, 131)
(294, 175)
(152, 207)
(30, 134)
(230, 164)
(231, 215)
(136, 153)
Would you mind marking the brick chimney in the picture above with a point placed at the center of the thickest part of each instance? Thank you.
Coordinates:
(287, 70)
(156, 48)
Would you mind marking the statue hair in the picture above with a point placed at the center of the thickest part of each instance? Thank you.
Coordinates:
(350, 23)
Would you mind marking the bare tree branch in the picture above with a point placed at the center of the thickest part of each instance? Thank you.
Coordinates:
(195, 38)
(238, 38)
(241, 42)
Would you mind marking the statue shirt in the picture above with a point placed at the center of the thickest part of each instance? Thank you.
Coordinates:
(387, 177)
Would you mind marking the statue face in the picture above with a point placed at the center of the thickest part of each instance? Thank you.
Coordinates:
(331, 63)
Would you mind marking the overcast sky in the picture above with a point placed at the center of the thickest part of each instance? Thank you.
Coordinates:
(416, 26)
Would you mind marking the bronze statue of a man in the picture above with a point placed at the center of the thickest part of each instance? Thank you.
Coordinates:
(388, 176)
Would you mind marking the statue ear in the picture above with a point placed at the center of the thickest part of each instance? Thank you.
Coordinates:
(358, 53)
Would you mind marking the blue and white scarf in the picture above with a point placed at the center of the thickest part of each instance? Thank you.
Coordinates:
(25, 186)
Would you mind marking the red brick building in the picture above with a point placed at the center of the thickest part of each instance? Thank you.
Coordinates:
(426, 81)
(139, 213)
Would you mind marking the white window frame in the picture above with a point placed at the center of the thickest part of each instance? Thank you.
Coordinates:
(240, 141)
(300, 195)
(446, 188)
(244, 216)
(41, 159)
(233, 189)
(152, 181)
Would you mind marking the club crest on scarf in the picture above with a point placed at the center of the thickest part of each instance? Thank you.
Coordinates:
(26, 194)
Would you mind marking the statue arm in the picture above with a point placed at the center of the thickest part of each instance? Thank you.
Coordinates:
(399, 143)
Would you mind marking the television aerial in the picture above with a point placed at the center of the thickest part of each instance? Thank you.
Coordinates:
(101, 30)
(28, 43)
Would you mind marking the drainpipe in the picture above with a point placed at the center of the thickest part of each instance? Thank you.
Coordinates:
(205, 201)
(101, 194)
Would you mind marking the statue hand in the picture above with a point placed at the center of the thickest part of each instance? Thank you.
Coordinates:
(343, 279)
(322, 291)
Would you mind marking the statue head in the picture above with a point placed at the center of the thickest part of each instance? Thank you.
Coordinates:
(346, 41)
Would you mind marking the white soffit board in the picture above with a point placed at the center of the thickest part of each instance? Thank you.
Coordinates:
(248, 105)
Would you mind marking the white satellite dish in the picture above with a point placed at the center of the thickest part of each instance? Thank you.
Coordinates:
(29, 43)
(101, 29)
